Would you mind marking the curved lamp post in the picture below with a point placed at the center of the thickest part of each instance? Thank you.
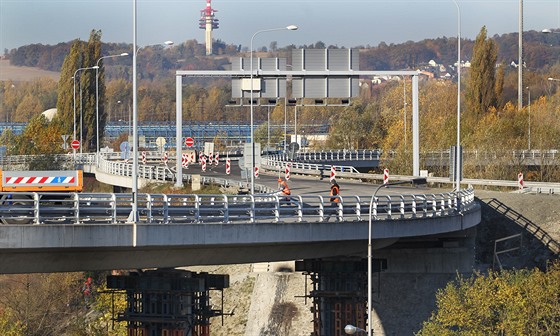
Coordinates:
(415, 181)
(74, 77)
(133, 218)
(97, 98)
(290, 27)
(457, 151)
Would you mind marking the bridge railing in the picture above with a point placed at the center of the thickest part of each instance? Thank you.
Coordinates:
(333, 155)
(113, 208)
(273, 163)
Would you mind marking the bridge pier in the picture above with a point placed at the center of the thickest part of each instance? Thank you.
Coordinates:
(406, 276)
(168, 301)
(338, 293)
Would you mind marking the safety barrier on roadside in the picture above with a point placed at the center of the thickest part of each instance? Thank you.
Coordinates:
(111, 208)
(333, 155)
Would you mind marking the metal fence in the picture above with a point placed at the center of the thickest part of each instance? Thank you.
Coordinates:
(114, 208)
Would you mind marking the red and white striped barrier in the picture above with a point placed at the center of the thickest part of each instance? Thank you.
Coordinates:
(185, 161)
(385, 176)
(256, 171)
(520, 181)
(216, 159)
(288, 170)
(43, 180)
(333, 173)
(144, 157)
(228, 166)
(165, 157)
(203, 163)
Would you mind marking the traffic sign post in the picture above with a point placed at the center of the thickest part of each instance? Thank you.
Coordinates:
(189, 142)
(385, 176)
(333, 173)
(75, 144)
(64, 143)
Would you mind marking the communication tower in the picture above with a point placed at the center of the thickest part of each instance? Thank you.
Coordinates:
(209, 23)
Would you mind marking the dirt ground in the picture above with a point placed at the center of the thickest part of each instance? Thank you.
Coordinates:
(23, 74)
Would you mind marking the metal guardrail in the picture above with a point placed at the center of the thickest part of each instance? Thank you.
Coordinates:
(113, 208)
(276, 164)
(552, 154)
(163, 173)
(333, 155)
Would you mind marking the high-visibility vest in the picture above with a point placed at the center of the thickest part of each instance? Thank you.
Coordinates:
(335, 191)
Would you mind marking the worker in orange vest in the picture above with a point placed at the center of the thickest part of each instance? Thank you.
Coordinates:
(284, 189)
(335, 201)
(335, 192)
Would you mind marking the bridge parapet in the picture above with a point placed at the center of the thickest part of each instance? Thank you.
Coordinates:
(110, 208)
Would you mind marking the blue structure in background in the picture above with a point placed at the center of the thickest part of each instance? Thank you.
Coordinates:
(231, 134)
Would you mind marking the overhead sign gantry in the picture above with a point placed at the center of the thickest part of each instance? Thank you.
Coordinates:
(315, 73)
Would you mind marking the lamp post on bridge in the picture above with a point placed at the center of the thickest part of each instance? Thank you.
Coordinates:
(74, 96)
(458, 146)
(415, 181)
(133, 218)
(290, 27)
(97, 100)
(529, 111)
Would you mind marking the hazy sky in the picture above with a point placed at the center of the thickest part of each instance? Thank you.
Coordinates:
(345, 23)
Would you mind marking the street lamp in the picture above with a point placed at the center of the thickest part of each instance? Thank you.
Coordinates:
(414, 181)
(97, 99)
(351, 330)
(457, 150)
(74, 78)
(290, 27)
(529, 110)
(295, 122)
(134, 214)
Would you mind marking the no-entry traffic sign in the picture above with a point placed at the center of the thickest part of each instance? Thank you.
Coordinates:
(75, 144)
(189, 142)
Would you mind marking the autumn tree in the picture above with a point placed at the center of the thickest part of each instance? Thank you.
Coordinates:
(40, 304)
(481, 82)
(83, 105)
(92, 52)
(66, 101)
(518, 302)
(42, 139)
(357, 126)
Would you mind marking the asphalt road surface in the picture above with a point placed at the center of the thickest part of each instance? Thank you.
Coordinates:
(309, 185)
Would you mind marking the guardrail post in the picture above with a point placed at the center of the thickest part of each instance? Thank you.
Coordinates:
(276, 211)
(321, 209)
(75, 207)
(340, 209)
(358, 209)
(252, 209)
(197, 209)
(36, 207)
(401, 207)
(149, 203)
(300, 209)
(226, 209)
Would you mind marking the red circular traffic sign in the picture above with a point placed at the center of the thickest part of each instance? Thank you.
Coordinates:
(75, 144)
(189, 142)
